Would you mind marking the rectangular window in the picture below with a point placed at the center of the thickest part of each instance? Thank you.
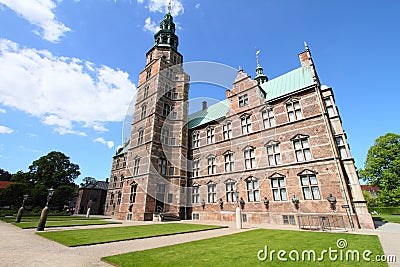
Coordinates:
(212, 192)
(169, 198)
(166, 109)
(148, 73)
(302, 149)
(253, 193)
(279, 189)
(146, 91)
(196, 139)
(341, 146)
(289, 219)
(294, 111)
(246, 124)
(143, 114)
(132, 196)
(329, 107)
(310, 187)
(119, 198)
(174, 115)
(227, 131)
(210, 136)
(196, 168)
(268, 118)
(162, 166)
(196, 194)
(140, 137)
(211, 165)
(230, 191)
(274, 154)
(164, 136)
(173, 141)
(171, 171)
(136, 166)
(229, 162)
(243, 100)
(249, 158)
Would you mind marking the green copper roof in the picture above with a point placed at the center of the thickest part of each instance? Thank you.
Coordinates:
(288, 83)
(211, 113)
(280, 86)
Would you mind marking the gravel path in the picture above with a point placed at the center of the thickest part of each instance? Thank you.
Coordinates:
(20, 247)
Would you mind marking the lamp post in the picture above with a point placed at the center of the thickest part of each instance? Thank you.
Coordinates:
(332, 200)
(45, 212)
(21, 210)
(89, 207)
(238, 212)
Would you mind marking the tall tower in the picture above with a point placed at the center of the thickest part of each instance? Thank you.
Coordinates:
(158, 141)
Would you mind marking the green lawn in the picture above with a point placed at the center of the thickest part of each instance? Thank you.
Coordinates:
(387, 218)
(73, 238)
(241, 250)
(49, 218)
(28, 225)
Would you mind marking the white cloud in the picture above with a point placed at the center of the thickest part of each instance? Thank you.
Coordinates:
(3, 111)
(150, 26)
(101, 140)
(39, 13)
(161, 6)
(63, 92)
(5, 130)
(197, 5)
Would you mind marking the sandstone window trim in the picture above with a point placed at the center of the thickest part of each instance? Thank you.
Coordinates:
(119, 198)
(140, 136)
(273, 153)
(210, 135)
(245, 123)
(143, 112)
(294, 110)
(309, 185)
(249, 157)
(136, 165)
(253, 190)
(146, 91)
(229, 165)
(133, 191)
(243, 100)
(195, 139)
(341, 146)
(268, 118)
(302, 148)
(278, 186)
(211, 164)
(166, 109)
(211, 192)
(230, 190)
(196, 167)
(227, 130)
(195, 193)
(162, 166)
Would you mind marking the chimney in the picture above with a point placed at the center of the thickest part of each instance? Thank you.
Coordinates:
(204, 105)
(107, 180)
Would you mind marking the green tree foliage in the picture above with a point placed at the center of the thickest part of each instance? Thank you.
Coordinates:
(54, 170)
(371, 201)
(13, 194)
(382, 168)
(62, 195)
(88, 180)
(5, 175)
(38, 195)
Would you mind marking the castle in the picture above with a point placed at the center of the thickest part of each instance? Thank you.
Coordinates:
(276, 148)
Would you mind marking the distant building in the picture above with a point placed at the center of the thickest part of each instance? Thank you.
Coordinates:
(372, 189)
(276, 147)
(4, 184)
(92, 195)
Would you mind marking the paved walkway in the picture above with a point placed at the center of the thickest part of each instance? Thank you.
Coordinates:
(20, 247)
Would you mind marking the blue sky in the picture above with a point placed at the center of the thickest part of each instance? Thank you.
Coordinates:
(69, 68)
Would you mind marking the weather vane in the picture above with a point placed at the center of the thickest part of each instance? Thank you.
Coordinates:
(169, 6)
(257, 59)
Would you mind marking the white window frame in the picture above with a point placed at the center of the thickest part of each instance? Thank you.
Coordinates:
(294, 111)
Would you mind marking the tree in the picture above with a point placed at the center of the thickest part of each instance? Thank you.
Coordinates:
(5, 175)
(88, 180)
(38, 195)
(382, 168)
(13, 194)
(62, 195)
(371, 201)
(54, 170)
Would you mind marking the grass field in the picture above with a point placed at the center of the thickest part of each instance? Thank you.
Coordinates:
(387, 218)
(73, 238)
(241, 250)
(30, 225)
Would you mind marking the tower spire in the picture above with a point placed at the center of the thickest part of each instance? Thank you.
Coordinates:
(260, 76)
(166, 36)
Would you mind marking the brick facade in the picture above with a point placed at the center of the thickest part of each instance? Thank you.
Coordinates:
(290, 146)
